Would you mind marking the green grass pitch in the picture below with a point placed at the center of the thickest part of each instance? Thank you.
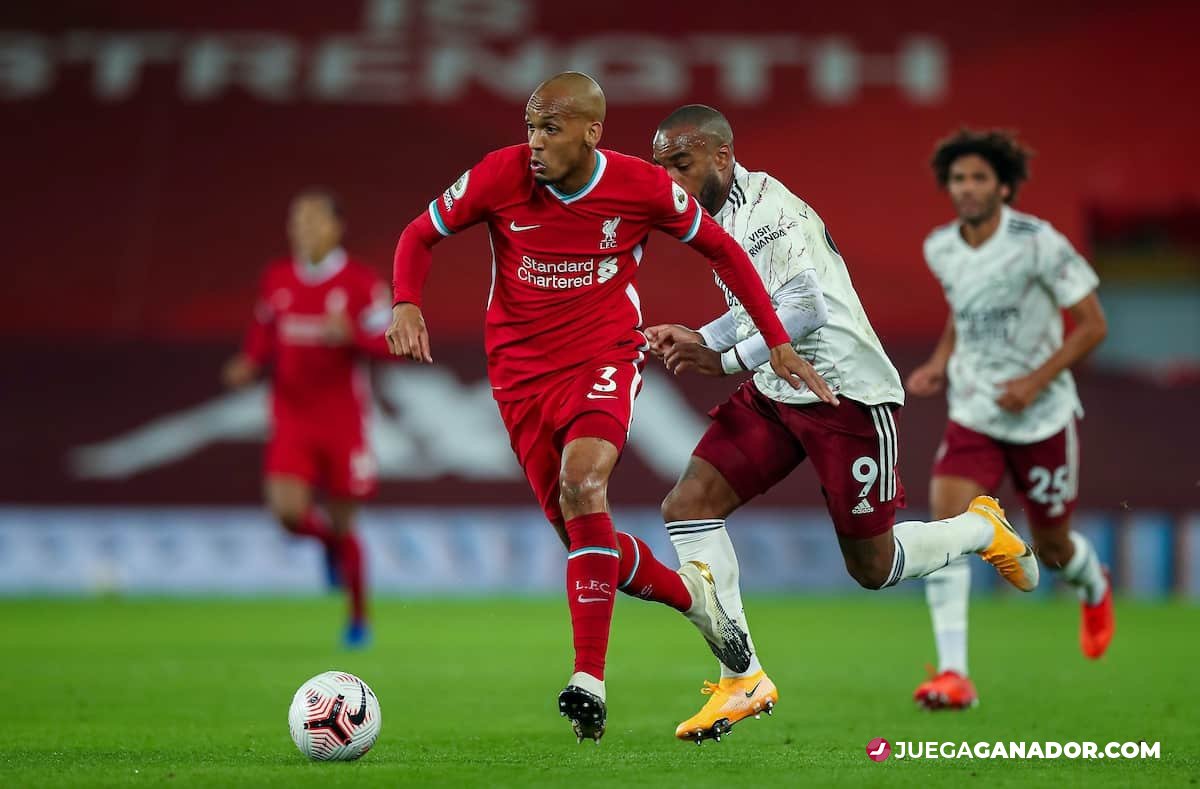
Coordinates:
(195, 693)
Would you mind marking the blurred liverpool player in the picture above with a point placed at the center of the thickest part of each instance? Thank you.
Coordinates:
(319, 313)
(767, 428)
(568, 224)
(1013, 406)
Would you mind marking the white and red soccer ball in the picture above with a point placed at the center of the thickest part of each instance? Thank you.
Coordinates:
(334, 717)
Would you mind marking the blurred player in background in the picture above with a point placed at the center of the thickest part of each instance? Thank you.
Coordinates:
(1013, 405)
(767, 428)
(319, 315)
(568, 223)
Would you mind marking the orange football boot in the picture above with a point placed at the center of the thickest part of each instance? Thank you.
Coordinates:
(733, 699)
(1008, 553)
(1097, 625)
(948, 690)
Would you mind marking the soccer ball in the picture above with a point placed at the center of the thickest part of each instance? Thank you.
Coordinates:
(334, 717)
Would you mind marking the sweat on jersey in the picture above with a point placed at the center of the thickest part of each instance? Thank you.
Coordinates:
(1007, 297)
(564, 266)
(785, 238)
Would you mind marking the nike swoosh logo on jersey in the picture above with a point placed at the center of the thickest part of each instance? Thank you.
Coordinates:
(583, 599)
(513, 226)
(594, 396)
(750, 693)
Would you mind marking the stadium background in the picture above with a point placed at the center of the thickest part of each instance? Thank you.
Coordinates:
(157, 145)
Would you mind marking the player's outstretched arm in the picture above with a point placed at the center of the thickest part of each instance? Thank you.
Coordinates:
(407, 336)
(1089, 330)
(789, 366)
(733, 266)
(259, 344)
(928, 379)
(665, 336)
(239, 371)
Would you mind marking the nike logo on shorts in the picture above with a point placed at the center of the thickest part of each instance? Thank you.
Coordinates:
(594, 396)
(513, 226)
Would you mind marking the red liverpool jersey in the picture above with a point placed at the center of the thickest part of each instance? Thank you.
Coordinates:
(564, 265)
(317, 385)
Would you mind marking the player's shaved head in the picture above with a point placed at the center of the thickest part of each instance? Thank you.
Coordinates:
(564, 119)
(695, 144)
(700, 119)
(572, 94)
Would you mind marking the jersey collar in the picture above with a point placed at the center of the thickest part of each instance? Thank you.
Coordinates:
(737, 195)
(323, 270)
(1005, 215)
(597, 174)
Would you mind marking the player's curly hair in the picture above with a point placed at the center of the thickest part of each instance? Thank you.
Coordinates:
(999, 148)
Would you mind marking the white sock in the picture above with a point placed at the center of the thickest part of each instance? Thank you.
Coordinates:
(582, 679)
(1083, 571)
(947, 591)
(707, 541)
(922, 548)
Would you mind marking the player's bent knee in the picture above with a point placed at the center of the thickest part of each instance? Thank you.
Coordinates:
(290, 519)
(682, 504)
(1054, 554)
(690, 500)
(582, 492)
(868, 575)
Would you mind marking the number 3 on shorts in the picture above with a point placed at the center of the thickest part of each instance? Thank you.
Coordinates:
(606, 383)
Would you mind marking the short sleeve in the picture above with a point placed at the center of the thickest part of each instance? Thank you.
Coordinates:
(672, 210)
(469, 199)
(1062, 270)
(931, 250)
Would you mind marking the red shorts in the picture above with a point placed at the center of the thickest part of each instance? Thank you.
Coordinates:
(754, 442)
(342, 464)
(540, 426)
(1045, 473)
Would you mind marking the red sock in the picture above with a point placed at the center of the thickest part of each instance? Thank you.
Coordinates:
(350, 562)
(591, 582)
(642, 575)
(314, 525)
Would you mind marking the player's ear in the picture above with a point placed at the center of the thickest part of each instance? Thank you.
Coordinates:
(722, 157)
(593, 132)
(1005, 192)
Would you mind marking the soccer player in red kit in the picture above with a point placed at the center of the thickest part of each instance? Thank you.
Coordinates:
(569, 224)
(319, 314)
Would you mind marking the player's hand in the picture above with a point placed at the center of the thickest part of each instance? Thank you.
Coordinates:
(239, 371)
(683, 356)
(407, 335)
(338, 328)
(1018, 394)
(666, 335)
(788, 365)
(927, 380)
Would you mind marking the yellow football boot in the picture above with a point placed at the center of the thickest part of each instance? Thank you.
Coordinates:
(1008, 553)
(732, 699)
